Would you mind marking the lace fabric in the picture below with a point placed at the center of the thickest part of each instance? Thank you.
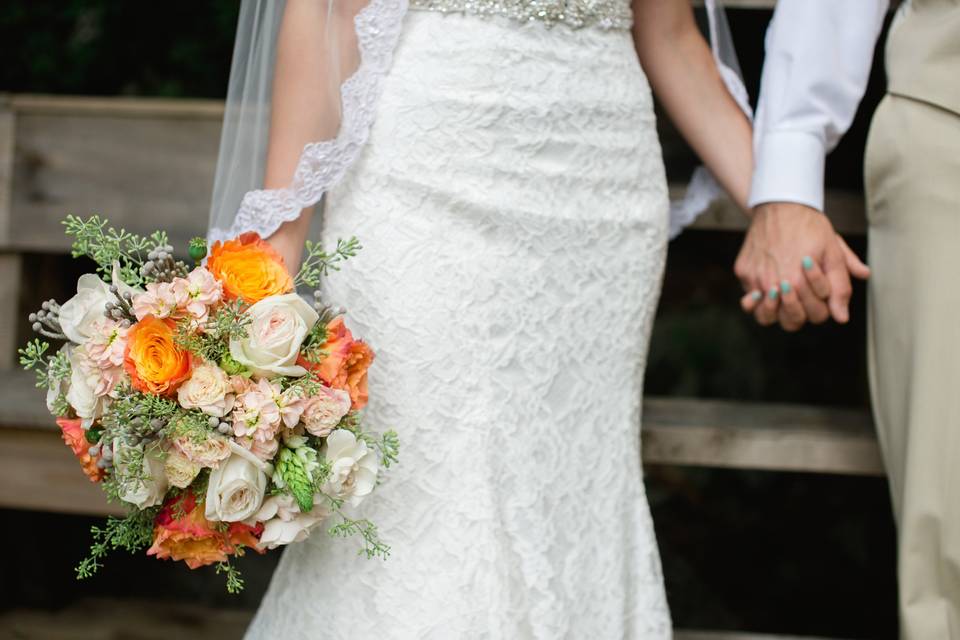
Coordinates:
(373, 33)
(513, 208)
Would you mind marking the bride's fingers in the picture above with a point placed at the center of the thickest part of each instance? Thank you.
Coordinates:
(766, 311)
(856, 266)
(816, 278)
(750, 301)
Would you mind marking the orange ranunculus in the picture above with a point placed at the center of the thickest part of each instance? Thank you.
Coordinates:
(249, 268)
(155, 363)
(346, 363)
(76, 439)
(194, 539)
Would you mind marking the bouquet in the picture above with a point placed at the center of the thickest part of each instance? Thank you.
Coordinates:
(221, 408)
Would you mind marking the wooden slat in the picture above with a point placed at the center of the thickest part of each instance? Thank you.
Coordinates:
(143, 168)
(770, 437)
(11, 278)
(703, 433)
(132, 619)
(844, 208)
(7, 145)
(149, 163)
(39, 472)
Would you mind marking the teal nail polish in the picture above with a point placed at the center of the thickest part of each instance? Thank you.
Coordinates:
(785, 287)
(756, 296)
(774, 292)
(807, 263)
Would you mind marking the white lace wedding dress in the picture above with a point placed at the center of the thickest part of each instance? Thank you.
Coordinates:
(513, 210)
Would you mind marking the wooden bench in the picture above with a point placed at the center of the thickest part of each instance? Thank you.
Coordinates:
(148, 163)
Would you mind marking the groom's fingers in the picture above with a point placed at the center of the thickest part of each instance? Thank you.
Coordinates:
(816, 308)
(816, 278)
(840, 287)
(791, 314)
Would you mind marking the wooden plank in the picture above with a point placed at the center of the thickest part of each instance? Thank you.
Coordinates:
(38, 471)
(143, 172)
(149, 163)
(844, 208)
(11, 278)
(130, 619)
(113, 106)
(735, 635)
(7, 145)
(768, 437)
(141, 619)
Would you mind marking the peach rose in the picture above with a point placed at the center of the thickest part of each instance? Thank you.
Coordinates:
(155, 363)
(75, 437)
(249, 268)
(194, 539)
(346, 363)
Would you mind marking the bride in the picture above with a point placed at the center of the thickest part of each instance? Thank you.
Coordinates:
(499, 162)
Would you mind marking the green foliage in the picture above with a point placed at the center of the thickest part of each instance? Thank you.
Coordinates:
(212, 343)
(107, 245)
(318, 263)
(235, 582)
(133, 533)
(312, 348)
(372, 545)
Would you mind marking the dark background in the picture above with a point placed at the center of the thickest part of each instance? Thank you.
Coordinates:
(787, 553)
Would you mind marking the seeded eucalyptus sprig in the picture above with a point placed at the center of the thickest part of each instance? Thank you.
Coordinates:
(49, 369)
(318, 263)
(141, 259)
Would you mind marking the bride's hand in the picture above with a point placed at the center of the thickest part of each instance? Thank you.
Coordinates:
(288, 242)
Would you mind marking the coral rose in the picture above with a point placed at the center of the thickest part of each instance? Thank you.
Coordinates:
(75, 438)
(155, 363)
(346, 363)
(194, 539)
(249, 268)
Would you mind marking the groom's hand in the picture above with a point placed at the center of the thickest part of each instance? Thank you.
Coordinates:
(799, 265)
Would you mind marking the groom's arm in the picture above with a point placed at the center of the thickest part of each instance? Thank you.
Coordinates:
(818, 59)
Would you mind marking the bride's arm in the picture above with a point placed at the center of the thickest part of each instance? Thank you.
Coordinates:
(681, 69)
(305, 103)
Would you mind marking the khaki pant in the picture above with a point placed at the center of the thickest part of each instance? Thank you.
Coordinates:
(913, 202)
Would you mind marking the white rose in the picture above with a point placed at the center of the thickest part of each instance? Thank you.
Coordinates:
(353, 467)
(236, 488)
(208, 389)
(180, 470)
(79, 313)
(277, 328)
(81, 393)
(149, 487)
(283, 523)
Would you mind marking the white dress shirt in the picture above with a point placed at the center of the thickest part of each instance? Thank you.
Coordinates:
(818, 59)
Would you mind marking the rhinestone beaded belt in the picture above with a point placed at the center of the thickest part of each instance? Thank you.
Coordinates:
(605, 14)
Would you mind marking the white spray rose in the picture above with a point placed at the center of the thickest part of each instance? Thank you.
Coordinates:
(278, 326)
(324, 411)
(180, 470)
(144, 489)
(353, 472)
(284, 524)
(236, 488)
(81, 392)
(79, 313)
(208, 389)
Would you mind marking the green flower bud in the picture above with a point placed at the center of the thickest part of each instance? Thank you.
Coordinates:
(198, 249)
(234, 368)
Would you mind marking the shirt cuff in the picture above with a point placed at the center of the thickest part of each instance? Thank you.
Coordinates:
(789, 168)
